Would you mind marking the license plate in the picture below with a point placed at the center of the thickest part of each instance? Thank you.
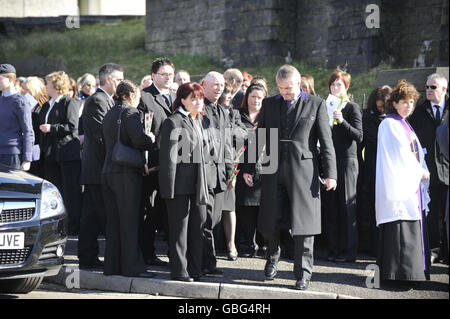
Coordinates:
(12, 240)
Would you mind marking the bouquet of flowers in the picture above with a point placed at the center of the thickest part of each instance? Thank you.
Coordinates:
(343, 98)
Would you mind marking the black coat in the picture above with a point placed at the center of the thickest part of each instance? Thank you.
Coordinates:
(187, 174)
(245, 195)
(62, 143)
(217, 124)
(422, 121)
(93, 155)
(237, 99)
(311, 125)
(371, 121)
(153, 102)
(131, 134)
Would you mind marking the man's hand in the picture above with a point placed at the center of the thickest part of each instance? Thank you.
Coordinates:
(331, 184)
(248, 179)
(25, 166)
(45, 128)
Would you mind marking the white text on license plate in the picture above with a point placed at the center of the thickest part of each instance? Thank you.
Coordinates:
(12, 240)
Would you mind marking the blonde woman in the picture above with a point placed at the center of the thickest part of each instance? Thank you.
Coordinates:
(60, 144)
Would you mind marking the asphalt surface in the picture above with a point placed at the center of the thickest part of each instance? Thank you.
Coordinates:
(244, 278)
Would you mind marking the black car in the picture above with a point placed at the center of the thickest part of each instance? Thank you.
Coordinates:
(33, 230)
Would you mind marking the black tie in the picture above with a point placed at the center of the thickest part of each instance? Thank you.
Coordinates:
(438, 115)
(167, 99)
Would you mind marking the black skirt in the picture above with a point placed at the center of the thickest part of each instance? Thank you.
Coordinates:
(403, 251)
(229, 200)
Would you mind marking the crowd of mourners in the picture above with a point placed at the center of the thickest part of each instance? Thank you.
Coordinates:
(219, 165)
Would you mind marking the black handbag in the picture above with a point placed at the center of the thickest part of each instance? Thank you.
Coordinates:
(126, 155)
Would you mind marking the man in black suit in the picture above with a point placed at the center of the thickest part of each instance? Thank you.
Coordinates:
(290, 196)
(93, 216)
(425, 119)
(235, 78)
(156, 99)
(216, 122)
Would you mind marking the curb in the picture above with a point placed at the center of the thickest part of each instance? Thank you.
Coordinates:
(72, 277)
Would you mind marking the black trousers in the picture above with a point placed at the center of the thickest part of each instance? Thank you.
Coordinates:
(122, 195)
(153, 216)
(66, 177)
(213, 217)
(246, 233)
(93, 220)
(186, 222)
(435, 219)
(303, 244)
(340, 212)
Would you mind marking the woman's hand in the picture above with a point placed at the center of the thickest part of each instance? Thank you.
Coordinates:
(231, 184)
(338, 116)
(25, 166)
(146, 171)
(45, 128)
(248, 179)
(331, 184)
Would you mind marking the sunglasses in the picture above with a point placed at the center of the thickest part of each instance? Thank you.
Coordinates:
(433, 87)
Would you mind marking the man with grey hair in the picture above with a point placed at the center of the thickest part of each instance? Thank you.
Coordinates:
(235, 78)
(425, 119)
(93, 217)
(216, 123)
(290, 197)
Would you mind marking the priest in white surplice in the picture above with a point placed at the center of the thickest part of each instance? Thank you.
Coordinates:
(401, 198)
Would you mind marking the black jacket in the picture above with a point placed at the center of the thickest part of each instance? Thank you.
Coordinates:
(422, 121)
(93, 155)
(62, 143)
(153, 102)
(131, 134)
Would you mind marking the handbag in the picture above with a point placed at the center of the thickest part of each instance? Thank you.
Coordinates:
(125, 155)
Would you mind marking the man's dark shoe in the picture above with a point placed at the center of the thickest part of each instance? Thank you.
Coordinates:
(214, 272)
(302, 284)
(270, 270)
(146, 274)
(156, 262)
(98, 265)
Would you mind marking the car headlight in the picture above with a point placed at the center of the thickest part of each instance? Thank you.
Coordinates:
(51, 201)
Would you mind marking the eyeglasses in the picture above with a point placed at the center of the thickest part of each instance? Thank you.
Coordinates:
(433, 87)
(167, 75)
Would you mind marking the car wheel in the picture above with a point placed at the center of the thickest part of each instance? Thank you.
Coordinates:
(20, 286)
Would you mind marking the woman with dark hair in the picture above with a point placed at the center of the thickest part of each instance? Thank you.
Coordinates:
(122, 184)
(401, 192)
(372, 117)
(183, 181)
(340, 204)
(248, 186)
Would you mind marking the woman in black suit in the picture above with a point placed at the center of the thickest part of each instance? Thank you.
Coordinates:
(183, 182)
(60, 144)
(122, 185)
(340, 205)
(248, 186)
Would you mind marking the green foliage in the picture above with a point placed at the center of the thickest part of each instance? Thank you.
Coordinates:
(85, 49)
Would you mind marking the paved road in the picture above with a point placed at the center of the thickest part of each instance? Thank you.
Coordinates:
(349, 279)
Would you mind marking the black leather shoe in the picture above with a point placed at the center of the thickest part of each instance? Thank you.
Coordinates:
(156, 262)
(302, 284)
(270, 270)
(98, 265)
(214, 272)
(184, 279)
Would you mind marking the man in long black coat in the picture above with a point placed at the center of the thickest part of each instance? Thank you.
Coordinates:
(290, 196)
(156, 99)
(425, 119)
(94, 216)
